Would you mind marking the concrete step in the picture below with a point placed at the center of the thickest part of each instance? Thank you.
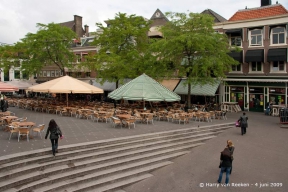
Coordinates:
(64, 155)
(120, 183)
(101, 170)
(34, 172)
(88, 182)
(41, 152)
(83, 164)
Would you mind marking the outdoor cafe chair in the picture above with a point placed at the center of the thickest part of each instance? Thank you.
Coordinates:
(13, 129)
(39, 129)
(183, 118)
(129, 122)
(23, 131)
(150, 118)
(116, 121)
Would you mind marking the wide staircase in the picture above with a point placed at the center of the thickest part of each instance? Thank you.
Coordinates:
(106, 165)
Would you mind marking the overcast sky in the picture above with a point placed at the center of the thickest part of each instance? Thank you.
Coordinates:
(19, 17)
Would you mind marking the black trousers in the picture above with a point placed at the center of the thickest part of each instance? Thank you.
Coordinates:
(54, 143)
(243, 130)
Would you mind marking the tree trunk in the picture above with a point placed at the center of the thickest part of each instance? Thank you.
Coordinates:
(189, 96)
(117, 84)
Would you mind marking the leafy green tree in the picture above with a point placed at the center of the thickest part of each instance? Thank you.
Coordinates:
(49, 46)
(124, 50)
(191, 44)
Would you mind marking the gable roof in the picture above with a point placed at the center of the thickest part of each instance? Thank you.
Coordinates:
(259, 12)
(69, 24)
(217, 18)
(158, 15)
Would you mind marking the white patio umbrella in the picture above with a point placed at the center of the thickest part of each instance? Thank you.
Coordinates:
(65, 84)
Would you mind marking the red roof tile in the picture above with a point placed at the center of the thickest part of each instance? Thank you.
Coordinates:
(261, 12)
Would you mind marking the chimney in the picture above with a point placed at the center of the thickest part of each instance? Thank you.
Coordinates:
(265, 2)
(78, 25)
(86, 30)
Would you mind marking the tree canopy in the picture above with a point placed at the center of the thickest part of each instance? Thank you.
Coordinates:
(196, 50)
(49, 46)
(124, 49)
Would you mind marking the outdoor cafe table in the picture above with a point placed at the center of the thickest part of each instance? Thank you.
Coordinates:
(8, 119)
(123, 116)
(25, 124)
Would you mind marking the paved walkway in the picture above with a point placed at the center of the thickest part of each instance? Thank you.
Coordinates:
(260, 156)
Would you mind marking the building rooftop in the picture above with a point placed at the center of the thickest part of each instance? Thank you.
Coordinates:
(259, 12)
(218, 18)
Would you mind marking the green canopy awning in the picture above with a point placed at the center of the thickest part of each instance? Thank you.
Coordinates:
(144, 88)
(197, 89)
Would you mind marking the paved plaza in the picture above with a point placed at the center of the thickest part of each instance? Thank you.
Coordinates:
(260, 156)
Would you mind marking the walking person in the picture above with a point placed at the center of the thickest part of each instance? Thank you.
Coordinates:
(225, 165)
(55, 132)
(243, 123)
(231, 148)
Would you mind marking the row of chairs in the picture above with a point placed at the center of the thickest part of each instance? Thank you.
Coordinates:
(25, 131)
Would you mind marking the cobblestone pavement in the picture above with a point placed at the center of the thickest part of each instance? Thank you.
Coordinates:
(260, 155)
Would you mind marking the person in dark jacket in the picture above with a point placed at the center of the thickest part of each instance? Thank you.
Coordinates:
(226, 164)
(231, 148)
(55, 132)
(2, 103)
(243, 123)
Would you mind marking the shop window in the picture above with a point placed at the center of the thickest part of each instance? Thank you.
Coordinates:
(52, 73)
(255, 37)
(57, 73)
(236, 41)
(278, 35)
(278, 66)
(44, 73)
(256, 66)
(48, 73)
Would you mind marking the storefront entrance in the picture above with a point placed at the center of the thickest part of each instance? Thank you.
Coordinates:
(237, 95)
(256, 99)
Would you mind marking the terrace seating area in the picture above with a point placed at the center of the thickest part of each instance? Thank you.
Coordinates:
(19, 126)
(127, 114)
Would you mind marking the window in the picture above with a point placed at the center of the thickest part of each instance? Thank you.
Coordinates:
(236, 68)
(236, 41)
(256, 37)
(57, 73)
(17, 74)
(48, 73)
(52, 73)
(256, 66)
(278, 35)
(44, 73)
(88, 74)
(78, 74)
(78, 58)
(278, 66)
(40, 73)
